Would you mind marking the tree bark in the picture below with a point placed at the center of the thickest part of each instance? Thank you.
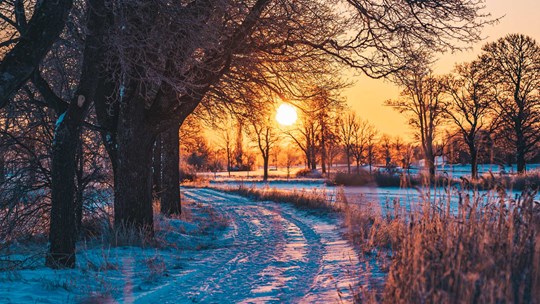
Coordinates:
(157, 167)
(2, 168)
(348, 162)
(313, 157)
(133, 175)
(266, 158)
(170, 198)
(474, 161)
(323, 152)
(63, 223)
(520, 155)
(63, 228)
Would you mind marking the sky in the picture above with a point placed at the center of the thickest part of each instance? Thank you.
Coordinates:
(367, 95)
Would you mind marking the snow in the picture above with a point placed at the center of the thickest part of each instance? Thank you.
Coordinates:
(60, 119)
(228, 249)
(386, 197)
(276, 254)
(122, 91)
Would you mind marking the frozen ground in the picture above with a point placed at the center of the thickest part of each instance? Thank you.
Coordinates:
(269, 252)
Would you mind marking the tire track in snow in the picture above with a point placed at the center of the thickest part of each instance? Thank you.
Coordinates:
(278, 254)
(284, 264)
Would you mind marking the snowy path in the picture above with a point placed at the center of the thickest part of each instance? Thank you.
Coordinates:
(272, 253)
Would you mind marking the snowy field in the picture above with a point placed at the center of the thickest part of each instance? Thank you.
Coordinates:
(266, 252)
(455, 171)
(386, 197)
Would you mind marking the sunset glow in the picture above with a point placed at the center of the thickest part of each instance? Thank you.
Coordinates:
(286, 115)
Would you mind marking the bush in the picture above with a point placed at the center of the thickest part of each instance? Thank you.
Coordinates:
(361, 179)
(489, 181)
(187, 174)
(308, 173)
(378, 179)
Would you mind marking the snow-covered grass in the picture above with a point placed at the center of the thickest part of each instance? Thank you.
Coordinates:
(113, 266)
(306, 199)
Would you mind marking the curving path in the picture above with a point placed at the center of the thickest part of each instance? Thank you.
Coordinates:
(272, 253)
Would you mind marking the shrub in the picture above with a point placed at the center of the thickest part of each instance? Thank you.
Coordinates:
(187, 174)
(361, 179)
(309, 173)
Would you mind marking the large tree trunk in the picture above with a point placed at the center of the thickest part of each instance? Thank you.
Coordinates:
(520, 155)
(430, 160)
(265, 165)
(64, 218)
(229, 161)
(63, 230)
(313, 157)
(474, 161)
(79, 195)
(323, 154)
(157, 167)
(2, 168)
(170, 198)
(431, 167)
(133, 175)
(348, 162)
(308, 159)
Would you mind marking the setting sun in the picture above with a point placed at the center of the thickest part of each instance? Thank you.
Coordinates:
(286, 115)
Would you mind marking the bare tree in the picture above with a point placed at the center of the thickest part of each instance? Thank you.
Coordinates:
(264, 133)
(316, 112)
(347, 127)
(371, 153)
(225, 141)
(468, 107)
(290, 159)
(422, 100)
(513, 66)
(363, 134)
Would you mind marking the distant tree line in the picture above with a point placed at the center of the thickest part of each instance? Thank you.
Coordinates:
(490, 103)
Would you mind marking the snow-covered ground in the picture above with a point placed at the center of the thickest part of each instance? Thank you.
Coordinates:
(386, 197)
(269, 252)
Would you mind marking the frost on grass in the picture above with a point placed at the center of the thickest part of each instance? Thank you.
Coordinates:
(104, 272)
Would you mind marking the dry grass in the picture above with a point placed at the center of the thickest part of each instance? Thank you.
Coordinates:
(488, 181)
(484, 253)
(312, 200)
(382, 179)
(488, 251)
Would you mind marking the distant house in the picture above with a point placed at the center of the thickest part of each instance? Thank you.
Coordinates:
(440, 161)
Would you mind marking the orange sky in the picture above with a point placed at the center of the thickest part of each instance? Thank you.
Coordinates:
(367, 96)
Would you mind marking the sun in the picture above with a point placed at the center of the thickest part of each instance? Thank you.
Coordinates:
(286, 115)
